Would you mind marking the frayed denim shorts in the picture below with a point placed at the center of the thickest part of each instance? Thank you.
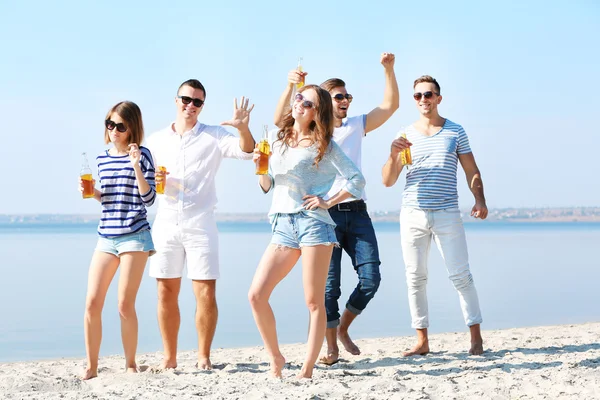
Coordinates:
(298, 230)
(138, 241)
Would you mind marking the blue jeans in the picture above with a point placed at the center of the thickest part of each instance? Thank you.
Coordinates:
(355, 234)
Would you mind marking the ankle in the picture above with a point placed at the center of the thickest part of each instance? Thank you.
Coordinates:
(92, 366)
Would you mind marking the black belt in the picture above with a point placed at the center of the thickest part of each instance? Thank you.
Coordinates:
(356, 205)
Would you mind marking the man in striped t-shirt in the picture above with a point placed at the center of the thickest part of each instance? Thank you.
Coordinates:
(430, 209)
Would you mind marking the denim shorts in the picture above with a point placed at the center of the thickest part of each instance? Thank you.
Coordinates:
(298, 230)
(139, 241)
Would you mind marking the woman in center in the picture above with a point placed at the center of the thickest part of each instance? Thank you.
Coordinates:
(303, 167)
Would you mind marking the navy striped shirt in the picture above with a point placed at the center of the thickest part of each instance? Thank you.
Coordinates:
(123, 207)
(431, 179)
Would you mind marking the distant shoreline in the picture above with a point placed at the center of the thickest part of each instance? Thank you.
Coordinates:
(517, 215)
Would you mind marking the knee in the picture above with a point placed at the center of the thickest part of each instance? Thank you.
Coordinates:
(167, 295)
(206, 294)
(462, 282)
(315, 305)
(370, 283)
(416, 280)
(93, 307)
(126, 309)
(256, 298)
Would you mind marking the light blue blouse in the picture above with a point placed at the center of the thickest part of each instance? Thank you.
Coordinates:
(294, 175)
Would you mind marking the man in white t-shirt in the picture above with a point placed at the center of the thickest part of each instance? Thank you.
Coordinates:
(185, 230)
(354, 229)
(430, 209)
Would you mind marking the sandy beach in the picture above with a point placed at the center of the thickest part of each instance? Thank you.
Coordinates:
(552, 362)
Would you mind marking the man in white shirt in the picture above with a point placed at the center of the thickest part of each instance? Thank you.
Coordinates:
(354, 229)
(185, 230)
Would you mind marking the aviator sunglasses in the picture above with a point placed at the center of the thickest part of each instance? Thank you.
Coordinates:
(110, 125)
(339, 97)
(305, 103)
(427, 95)
(187, 100)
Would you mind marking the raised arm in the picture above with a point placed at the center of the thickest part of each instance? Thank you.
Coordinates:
(283, 106)
(475, 183)
(144, 173)
(393, 166)
(391, 96)
(240, 121)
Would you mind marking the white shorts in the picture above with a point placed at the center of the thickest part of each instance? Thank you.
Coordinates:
(178, 246)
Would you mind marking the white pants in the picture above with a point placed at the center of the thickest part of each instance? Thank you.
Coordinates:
(417, 228)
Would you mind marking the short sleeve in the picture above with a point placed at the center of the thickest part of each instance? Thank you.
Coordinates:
(463, 142)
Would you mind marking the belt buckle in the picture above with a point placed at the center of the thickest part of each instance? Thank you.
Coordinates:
(344, 207)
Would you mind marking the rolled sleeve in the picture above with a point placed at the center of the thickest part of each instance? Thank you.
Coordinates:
(230, 146)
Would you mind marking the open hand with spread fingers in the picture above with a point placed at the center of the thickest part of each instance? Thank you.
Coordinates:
(241, 114)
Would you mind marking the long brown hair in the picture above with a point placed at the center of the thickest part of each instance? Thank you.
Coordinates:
(131, 115)
(321, 128)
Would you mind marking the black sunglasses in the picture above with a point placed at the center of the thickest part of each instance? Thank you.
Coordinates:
(188, 100)
(427, 95)
(340, 97)
(110, 125)
(305, 103)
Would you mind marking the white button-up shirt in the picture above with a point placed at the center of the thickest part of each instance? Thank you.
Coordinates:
(192, 161)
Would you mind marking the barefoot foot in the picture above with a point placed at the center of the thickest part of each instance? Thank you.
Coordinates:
(476, 348)
(331, 358)
(204, 363)
(348, 343)
(277, 365)
(165, 365)
(89, 374)
(132, 370)
(476, 340)
(305, 374)
(419, 350)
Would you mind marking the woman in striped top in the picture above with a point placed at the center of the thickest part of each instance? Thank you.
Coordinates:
(126, 174)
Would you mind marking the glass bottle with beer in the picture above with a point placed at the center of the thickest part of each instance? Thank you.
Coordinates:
(87, 181)
(160, 182)
(405, 155)
(301, 83)
(262, 164)
(297, 85)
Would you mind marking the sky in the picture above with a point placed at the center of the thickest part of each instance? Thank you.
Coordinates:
(521, 78)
